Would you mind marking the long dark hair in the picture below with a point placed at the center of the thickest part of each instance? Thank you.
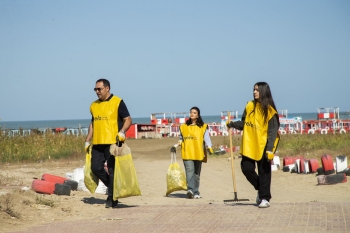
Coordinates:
(199, 122)
(265, 99)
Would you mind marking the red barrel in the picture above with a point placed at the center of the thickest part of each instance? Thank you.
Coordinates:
(302, 165)
(53, 178)
(313, 163)
(60, 180)
(42, 186)
(327, 164)
(288, 160)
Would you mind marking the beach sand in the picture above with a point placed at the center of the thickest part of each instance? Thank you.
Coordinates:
(152, 159)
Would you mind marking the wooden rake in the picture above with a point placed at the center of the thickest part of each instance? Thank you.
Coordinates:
(233, 167)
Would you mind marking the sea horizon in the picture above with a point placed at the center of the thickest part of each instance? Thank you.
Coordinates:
(83, 123)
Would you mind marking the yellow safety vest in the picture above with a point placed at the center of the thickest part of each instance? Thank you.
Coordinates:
(255, 131)
(192, 141)
(105, 120)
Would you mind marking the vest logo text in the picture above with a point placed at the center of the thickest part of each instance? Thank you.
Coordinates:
(190, 138)
(249, 124)
(99, 118)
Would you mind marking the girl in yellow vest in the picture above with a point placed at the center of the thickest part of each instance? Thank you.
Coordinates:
(260, 138)
(194, 137)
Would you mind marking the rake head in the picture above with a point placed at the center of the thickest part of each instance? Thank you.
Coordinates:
(236, 199)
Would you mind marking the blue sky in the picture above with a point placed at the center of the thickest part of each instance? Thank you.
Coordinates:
(167, 56)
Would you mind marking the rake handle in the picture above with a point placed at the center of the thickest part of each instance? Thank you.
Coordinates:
(231, 152)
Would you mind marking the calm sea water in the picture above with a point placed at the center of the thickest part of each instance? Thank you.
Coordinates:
(141, 120)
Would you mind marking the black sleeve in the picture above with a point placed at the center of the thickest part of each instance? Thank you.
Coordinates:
(123, 112)
(243, 115)
(240, 124)
(272, 133)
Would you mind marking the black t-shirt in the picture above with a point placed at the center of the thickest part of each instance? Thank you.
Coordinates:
(123, 112)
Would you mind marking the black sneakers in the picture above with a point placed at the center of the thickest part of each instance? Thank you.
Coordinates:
(258, 200)
(110, 203)
(190, 194)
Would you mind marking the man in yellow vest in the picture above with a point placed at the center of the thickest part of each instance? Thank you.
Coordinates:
(110, 121)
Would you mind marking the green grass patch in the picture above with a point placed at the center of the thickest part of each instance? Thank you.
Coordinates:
(36, 147)
(316, 144)
(41, 147)
(307, 145)
(41, 200)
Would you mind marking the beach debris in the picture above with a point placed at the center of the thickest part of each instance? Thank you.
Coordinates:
(26, 188)
(110, 219)
(331, 179)
(41, 207)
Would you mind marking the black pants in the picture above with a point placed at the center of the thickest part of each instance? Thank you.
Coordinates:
(260, 181)
(99, 155)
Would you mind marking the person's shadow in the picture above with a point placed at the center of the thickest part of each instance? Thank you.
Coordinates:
(177, 195)
(98, 201)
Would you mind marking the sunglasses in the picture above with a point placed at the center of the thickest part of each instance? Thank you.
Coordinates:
(99, 89)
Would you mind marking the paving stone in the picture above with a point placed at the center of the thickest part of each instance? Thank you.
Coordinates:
(280, 217)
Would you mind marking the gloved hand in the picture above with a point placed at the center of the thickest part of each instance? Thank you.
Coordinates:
(121, 136)
(86, 147)
(269, 155)
(173, 149)
(210, 150)
(231, 124)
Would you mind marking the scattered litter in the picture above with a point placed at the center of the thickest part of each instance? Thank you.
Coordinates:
(25, 188)
(110, 218)
(41, 207)
(66, 209)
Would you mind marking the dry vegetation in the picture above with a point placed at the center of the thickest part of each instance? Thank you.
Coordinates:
(36, 147)
(306, 145)
(40, 147)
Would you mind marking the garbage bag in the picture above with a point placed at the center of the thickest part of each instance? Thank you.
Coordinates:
(90, 180)
(175, 178)
(125, 178)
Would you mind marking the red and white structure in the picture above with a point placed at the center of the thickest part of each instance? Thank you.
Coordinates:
(167, 124)
(328, 121)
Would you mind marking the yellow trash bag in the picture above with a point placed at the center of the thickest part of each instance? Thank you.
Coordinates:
(90, 180)
(125, 178)
(175, 178)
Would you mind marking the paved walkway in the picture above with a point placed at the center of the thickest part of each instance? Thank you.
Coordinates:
(238, 217)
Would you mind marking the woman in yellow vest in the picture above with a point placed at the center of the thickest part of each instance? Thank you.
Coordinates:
(194, 137)
(260, 138)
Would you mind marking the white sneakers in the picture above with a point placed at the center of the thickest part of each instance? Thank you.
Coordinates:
(264, 204)
(196, 196)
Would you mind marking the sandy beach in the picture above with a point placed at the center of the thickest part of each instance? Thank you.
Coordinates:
(152, 159)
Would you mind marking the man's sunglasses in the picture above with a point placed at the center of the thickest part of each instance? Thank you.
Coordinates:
(99, 89)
